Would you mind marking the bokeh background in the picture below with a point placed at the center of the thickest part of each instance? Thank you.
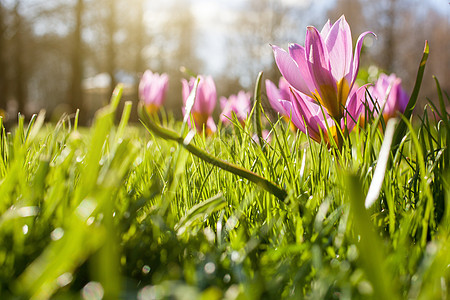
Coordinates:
(61, 55)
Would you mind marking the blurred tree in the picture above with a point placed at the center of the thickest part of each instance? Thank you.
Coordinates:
(390, 40)
(75, 94)
(175, 43)
(3, 65)
(20, 77)
(136, 35)
(260, 24)
(111, 28)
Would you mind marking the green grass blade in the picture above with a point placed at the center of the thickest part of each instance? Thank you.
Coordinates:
(401, 127)
(189, 104)
(199, 210)
(116, 96)
(258, 108)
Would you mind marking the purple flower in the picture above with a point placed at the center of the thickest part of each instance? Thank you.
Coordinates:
(326, 68)
(396, 100)
(152, 90)
(239, 104)
(205, 101)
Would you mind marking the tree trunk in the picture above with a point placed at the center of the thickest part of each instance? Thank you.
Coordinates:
(111, 47)
(76, 90)
(390, 38)
(140, 35)
(19, 63)
(3, 71)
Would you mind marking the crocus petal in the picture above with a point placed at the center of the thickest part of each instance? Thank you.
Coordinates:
(164, 82)
(339, 46)
(311, 126)
(284, 89)
(298, 53)
(351, 77)
(185, 90)
(210, 126)
(319, 66)
(223, 102)
(355, 107)
(403, 99)
(310, 113)
(273, 94)
(392, 100)
(200, 97)
(243, 105)
(205, 99)
(292, 114)
(326, 28)
(289, 69)
(211, 95)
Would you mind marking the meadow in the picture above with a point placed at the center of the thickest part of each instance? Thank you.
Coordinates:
(159, 211)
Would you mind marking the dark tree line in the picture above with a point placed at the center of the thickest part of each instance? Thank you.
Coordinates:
(47, 51)
(50, 50)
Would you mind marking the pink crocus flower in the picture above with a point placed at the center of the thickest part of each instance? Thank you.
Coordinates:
(324, 69)
(152, 90)
(204, 103)
(396, 100)
(239, 104)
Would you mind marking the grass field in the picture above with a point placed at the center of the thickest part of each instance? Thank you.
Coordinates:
(114, 211)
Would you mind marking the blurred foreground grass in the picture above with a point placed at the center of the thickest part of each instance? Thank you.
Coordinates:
(113, 212)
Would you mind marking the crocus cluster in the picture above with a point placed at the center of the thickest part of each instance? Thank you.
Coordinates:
(321, 77)
(317, 90)
(152, 90)
(239, 104)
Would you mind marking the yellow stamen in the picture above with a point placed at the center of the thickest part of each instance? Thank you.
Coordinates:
(151, 108)
(329, 101)
(343, 91)
(201, 120)
(291, 124)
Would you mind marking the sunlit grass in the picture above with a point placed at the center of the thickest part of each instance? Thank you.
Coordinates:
(114, 211)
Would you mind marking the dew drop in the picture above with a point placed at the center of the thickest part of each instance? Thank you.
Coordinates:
(92, 291)
(210, 268)
(146, 269)
(57, 234)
